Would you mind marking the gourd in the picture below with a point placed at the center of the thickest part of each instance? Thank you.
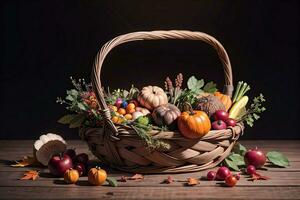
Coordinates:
(152, 97)
(193, 124)
(225, 99)
(209, 104)
(97, 176)
(166, 115)
(71, 176)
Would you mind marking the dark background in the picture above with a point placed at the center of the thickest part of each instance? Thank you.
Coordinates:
(43, 43)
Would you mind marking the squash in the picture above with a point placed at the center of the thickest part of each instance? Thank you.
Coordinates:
(152, 97)
(225, 99)
(209, 104)
(71, 176)
(193, 124)
(97, 176)
(166, 115)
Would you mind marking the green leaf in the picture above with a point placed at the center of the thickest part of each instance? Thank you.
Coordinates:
(192, 82)
(66, 119)
(112, 181)
(278, 159)
(237, 159)
(70, 98)
(81, 106)
(231, 165)
(72, 92)
(77, 121)
(239, 149)
(210, 87)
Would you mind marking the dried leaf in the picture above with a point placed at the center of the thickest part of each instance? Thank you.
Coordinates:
(192, 182)
(26, 161)
(30, 175)
(169, 180)
(134, 177)
(257, 176)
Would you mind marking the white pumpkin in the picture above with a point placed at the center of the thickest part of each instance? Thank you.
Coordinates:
(152, 97)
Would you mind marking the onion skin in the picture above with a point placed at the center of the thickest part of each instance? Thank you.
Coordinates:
(256, 158)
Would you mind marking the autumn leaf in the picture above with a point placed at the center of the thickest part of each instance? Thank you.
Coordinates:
(26, 161)
(192, 182)
(169, 180)
(257, 176)
(134, 177)
(30, 175)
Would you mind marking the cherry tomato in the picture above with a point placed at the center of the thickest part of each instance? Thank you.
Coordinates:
(230, 181)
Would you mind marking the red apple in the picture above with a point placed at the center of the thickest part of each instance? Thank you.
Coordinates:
(59, 164)
(255, 157)
(221, 115)
(230, 122)
(219, 125)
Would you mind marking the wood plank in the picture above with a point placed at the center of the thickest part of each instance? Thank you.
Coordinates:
(130, 193)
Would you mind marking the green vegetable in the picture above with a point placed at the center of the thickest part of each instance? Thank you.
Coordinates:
(210, 87)
(278, 159)
(144, 120)
(241, 89)
(112, 181)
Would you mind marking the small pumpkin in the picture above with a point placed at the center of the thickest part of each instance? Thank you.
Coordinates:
(71, 176)
(166, 115)
(209, 104)
(97, 176)
(225, 99)
(193, 124)
(152, 97)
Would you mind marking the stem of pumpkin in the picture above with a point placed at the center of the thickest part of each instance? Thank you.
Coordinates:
(189, 107)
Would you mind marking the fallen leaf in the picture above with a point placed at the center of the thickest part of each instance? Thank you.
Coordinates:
(169, 180)
(30, 175)
(26, 161)
(134, 177)
(257, 176)
(192, 182)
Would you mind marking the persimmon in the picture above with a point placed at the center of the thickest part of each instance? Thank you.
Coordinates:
(71, 176)
(128, 116)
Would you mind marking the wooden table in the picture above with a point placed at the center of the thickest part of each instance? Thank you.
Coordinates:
(284, 183)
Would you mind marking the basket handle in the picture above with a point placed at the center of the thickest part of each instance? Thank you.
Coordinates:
(157, 35)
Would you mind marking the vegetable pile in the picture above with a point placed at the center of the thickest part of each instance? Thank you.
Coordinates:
(172, 108)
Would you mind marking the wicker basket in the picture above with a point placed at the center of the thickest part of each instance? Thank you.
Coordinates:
(121, 148)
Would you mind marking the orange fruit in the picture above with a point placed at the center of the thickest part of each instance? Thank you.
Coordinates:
(128, 116)
(130, 106)
(115, 119)
(130, 110)
(122, 111)
(120, 120)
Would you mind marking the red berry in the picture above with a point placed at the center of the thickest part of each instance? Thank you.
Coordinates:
(211, 175)
(251, 170)
(231, 181)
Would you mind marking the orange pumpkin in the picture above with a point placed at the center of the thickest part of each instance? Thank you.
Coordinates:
(97, 176)
(225, 99)
(193, 124)
(71, 176)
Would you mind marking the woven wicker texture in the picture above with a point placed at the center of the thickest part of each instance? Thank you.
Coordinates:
(121, 147)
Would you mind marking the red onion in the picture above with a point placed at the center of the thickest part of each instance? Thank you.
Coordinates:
(211, 175)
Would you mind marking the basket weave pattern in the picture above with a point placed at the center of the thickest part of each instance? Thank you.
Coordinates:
(120, 146)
